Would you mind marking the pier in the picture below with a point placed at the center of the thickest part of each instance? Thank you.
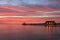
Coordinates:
(46, 23)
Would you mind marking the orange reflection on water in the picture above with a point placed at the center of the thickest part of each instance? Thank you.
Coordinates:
(51, 29)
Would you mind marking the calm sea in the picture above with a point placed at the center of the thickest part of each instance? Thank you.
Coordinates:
(29, 32)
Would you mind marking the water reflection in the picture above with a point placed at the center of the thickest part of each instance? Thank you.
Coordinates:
(50, 28)
(29, 32)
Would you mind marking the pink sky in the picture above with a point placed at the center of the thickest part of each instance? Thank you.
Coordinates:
(24, 11)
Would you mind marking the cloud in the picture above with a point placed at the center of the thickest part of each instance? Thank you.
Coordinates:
(51, 3)
(46, 12)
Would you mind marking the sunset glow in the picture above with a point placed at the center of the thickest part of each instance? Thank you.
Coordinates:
(29, 19)
(28, 16)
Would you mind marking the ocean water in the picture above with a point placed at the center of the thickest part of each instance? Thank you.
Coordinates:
(29, 32)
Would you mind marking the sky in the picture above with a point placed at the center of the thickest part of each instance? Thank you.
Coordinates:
(45, 6)
(52, 3)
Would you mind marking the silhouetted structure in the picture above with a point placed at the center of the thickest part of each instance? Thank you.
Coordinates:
(24, 23)
(46, 23)
(50, 23)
